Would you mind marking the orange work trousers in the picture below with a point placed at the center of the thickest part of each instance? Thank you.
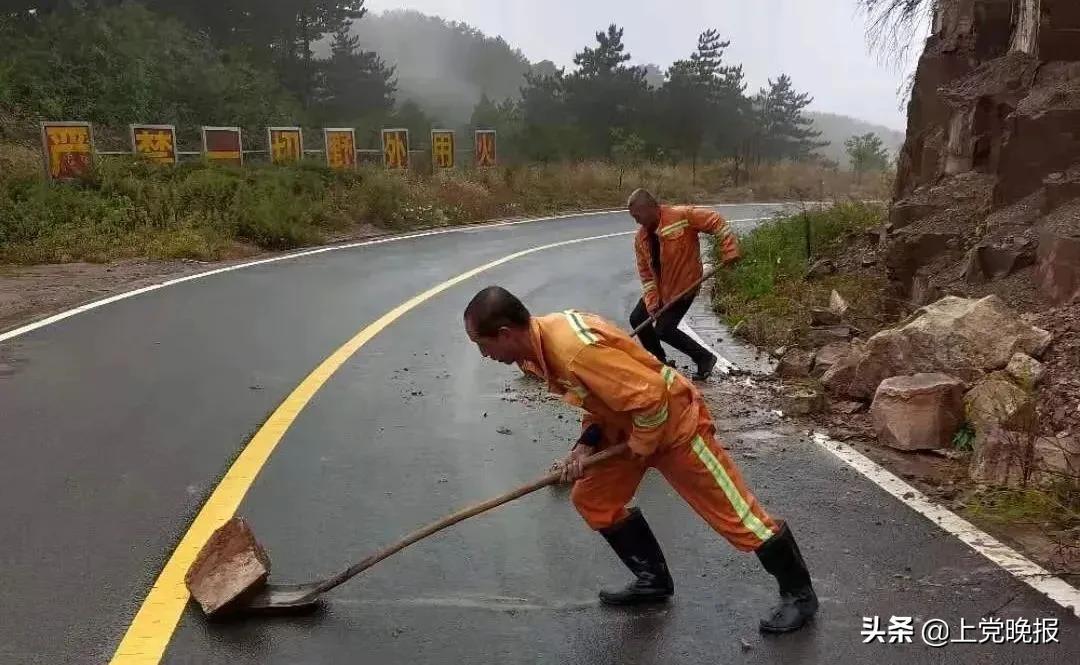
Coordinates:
(699, 470)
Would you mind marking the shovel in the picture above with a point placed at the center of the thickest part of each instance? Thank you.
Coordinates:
(229, 576)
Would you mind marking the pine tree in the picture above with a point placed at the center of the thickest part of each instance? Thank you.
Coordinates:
(781, 130)
(353, 83)
(605, 93)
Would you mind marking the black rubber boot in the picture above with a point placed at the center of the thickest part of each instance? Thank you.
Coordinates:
(634, 542)
(780, 556)
(705, 367)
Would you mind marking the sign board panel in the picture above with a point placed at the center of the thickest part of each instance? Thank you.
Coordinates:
(223, 145)
(485, 148)
(156, 143)
(286, 144)
(68, 149)
(340, 148)
(442, 148)
(395, 148)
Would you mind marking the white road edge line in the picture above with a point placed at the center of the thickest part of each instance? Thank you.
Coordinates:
(1022, 568)
(725, 365)
(1019, 566)
(56, 318)
(1014, 563)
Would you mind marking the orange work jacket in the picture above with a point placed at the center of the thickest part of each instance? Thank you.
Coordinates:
(680, 251)
(597, 367)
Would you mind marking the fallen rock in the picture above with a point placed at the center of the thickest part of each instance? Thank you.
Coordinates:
(803, 400)
(951, 336)
(1058, 272)
(1000, 458)
(996, 402)
(847, 408)
(986, 262)
(795, 364)
(821, 268)
(840, 378)
(230, 563)
(919, 412)
(837, 304)
(829, 335)
(1025, 370)
(827, 357)
(1061, 187)
(924, 291)
(824, 317)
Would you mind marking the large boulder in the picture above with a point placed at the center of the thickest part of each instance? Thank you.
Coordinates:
(995, 402)
(919, 412)
(956, 336)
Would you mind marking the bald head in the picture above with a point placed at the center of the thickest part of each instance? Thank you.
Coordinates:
(644, 209)
(640, 195)
(493, 308)
(498, 323)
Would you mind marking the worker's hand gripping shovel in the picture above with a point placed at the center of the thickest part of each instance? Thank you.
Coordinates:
(230, 574)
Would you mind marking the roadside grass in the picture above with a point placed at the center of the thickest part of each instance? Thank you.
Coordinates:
(767, 295)
(1055, 507)
(127, 208)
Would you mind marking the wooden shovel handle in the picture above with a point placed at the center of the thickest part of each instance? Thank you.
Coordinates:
(462, 514)
(653, 317)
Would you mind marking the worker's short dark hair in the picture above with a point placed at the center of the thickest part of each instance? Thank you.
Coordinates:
(494, 308)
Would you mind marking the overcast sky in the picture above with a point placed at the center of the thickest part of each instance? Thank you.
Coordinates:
(819, 43)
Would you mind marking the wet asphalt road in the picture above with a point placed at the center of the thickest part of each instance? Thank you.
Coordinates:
(116, 425)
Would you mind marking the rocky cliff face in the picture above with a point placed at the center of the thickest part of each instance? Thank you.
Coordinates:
(988, 188)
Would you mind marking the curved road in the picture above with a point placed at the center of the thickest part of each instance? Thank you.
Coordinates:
(117, 424)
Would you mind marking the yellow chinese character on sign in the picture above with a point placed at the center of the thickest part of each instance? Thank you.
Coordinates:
(442, 149)
(396, 148)
(156, 143)
(285, 145)
(340, 149)
(485, 148)
(68, 150)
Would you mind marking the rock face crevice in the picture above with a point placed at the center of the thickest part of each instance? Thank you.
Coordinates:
(988, 181)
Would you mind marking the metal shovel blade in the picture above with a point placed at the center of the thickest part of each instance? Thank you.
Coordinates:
(282, 598)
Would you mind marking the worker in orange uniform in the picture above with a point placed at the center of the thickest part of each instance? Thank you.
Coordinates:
(669, 262)
(629, 396)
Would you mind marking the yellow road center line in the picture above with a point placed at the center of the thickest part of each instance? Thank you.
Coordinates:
(149, 633)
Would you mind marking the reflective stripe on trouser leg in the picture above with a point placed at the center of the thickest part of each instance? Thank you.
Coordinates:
(601, 496)
(707, 479)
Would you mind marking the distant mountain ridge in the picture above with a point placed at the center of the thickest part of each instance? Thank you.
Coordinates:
(837, 128)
